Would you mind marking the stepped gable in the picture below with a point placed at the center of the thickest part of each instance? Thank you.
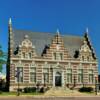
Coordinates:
(40, 40)
(89, 44)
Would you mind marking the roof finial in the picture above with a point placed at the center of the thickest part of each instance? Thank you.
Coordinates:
(10, 22)
(26, 36)
(58, 33)
(87, 30)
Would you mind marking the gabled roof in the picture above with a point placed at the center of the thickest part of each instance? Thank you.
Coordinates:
(40, 40)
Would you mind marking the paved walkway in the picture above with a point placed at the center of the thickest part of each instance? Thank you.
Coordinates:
(49, 98)
(58, 91)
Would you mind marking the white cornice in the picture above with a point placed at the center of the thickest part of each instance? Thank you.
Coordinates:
(62, 61)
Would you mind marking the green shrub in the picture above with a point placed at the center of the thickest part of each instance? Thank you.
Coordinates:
(0, 92)
(42, 90)
(86, 89)
(29, 89)
(26, 90)
(20, 90)
(34, 89)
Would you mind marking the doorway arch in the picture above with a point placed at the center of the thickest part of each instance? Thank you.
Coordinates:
(58, 79)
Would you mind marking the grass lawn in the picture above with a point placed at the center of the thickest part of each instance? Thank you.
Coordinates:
(15, 93)
(36, 93)
(88, 93)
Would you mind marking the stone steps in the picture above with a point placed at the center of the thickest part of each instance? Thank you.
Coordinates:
(59, 91)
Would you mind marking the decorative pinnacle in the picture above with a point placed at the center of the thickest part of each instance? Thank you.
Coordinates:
(26, 37)
(10, 22)
(58, 33)
(87, 30)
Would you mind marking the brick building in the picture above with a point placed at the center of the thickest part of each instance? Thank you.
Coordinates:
(53, 60)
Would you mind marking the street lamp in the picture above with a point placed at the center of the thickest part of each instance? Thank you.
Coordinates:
(96, 80)
(74, 81)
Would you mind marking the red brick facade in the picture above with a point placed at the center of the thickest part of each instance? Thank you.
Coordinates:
(55, 66)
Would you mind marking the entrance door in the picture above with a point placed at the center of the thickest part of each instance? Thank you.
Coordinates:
(58, 79)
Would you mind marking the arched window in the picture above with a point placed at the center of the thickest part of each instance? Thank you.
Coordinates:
(58, 74)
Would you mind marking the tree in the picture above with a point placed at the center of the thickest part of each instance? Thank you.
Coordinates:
(2, 58)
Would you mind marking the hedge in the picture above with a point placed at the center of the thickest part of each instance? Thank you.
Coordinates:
(86, 89)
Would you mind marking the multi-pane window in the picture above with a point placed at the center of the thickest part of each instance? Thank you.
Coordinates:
(30, 55)
(61, 56)
(80, 75)
(58, 56)
(90, 76)
(19, 74)
(69, 75)
(46, 75)
(32, 74)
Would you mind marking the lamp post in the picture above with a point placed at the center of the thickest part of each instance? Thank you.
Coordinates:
(74, 81)
(96, 80)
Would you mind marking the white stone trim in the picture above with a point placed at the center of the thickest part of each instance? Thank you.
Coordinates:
(53, 78)
(52, 60)
(42, 75)
(62, 74)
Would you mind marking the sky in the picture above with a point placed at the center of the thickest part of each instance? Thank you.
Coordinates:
(72, 17)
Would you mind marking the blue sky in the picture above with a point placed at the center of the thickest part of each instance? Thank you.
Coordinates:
(70, 16)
